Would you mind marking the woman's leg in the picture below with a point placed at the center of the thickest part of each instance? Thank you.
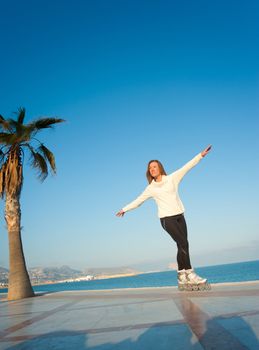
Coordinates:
(177, 229)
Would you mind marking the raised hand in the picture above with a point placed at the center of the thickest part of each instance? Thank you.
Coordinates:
(120, 213)
(206, 151)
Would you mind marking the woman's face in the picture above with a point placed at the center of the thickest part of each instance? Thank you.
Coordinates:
(154, 169)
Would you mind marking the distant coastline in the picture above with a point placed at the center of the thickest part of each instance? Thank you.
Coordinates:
(98, 277)
(111, 279)
(63, 274)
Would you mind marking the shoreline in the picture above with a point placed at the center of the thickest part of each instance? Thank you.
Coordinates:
(158, 287)
(132, 288)
(98, 278)
(213, 285)
(248, 273)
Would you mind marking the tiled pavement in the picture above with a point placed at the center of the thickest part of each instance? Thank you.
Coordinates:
(225, 318)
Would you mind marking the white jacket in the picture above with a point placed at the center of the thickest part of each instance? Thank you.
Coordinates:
(165, 192)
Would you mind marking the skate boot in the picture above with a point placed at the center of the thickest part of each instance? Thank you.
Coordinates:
(182, 280)
(195, 282)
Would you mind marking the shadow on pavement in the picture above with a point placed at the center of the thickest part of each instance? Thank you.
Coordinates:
(228, 334)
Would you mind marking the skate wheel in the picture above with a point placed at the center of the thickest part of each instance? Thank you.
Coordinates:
(195, 288)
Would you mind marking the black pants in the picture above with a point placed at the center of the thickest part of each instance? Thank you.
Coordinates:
(177, 229)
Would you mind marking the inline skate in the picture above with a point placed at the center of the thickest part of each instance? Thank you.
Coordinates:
(188, 280)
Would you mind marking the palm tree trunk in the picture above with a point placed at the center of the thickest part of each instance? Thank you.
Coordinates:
(19, 285)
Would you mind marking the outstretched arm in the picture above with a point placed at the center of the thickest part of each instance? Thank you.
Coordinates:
(179, 174)
(136, 203)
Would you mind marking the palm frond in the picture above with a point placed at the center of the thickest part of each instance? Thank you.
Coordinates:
(8, 139)
(44, 123)
(22, 131)
(13, 124)
(38, 162)
(4, 123)
(17, 133)
(21, 115)
(49, 156)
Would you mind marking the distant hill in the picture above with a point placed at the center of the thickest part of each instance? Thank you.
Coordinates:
(53, 273)
(40, 275)
(3, 270)
(109, 272)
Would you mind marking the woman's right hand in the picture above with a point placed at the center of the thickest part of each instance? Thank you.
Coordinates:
(120, 213)
(206, 151)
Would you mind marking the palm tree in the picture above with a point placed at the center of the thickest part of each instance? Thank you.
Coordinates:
(17, 139)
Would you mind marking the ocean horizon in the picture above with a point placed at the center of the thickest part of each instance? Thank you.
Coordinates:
(233, 272)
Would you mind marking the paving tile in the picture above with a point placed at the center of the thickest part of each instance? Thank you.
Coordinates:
(150, 318)
(226, 305)
(243, 330)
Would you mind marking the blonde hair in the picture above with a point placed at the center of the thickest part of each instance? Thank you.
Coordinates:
(160, 166)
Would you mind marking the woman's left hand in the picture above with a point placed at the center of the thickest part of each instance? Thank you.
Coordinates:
(120, 213)
(206, 151)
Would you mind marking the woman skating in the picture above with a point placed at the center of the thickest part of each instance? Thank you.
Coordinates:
(164, 190)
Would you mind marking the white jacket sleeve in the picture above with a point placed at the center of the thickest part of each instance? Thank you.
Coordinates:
(179, 174)
(138, 201)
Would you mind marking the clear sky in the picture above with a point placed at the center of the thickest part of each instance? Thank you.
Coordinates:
(135, 80)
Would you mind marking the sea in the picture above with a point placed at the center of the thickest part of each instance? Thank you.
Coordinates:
(235, 272)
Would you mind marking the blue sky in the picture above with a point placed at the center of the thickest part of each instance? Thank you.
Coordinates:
(135, 80)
